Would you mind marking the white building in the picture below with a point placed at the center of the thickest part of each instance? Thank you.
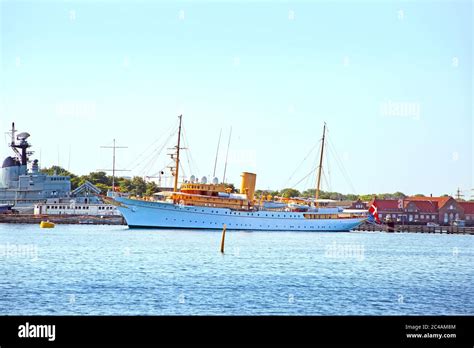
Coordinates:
(55, 207)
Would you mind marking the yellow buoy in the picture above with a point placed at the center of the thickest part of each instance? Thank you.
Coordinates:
(46, 224)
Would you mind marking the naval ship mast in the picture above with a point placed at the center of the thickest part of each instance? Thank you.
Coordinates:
(23, 145)
(320, 167)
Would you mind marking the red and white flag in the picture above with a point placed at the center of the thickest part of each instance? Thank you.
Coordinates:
(373, 210)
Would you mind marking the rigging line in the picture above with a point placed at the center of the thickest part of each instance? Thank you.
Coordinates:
(313, 169)
(339, 163)
(139, 159)
(183, 172)
(147, 164)
(325, 180)
(327, 175)
(189, 155)
(191, 163)
(217, 153)
(341, 167)
(310, 182)
(151, 163)
(301, 163)
(150, 151)
(162, 169)
(186, 146)
(227, 156)
(328, 168)
(154, 155)
(307, 175)
(143, 153)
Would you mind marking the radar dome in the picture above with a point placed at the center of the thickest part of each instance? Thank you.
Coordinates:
(23, 136)
(203, 180)
(215, 181)
(10, 162)
(192, 179)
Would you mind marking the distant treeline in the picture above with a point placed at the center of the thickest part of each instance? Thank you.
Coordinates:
(311, 193)
(137, 186)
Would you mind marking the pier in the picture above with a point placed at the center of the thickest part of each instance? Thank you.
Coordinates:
(417, 229)
(62, 219)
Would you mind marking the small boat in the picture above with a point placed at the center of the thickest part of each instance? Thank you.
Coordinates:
(47, 224)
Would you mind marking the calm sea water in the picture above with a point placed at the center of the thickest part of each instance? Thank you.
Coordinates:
(116, 271)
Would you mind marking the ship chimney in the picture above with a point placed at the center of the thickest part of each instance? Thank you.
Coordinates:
(247, 185)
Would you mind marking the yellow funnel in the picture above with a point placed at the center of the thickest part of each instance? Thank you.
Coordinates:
(248, 184)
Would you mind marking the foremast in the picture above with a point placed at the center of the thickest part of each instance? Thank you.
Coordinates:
(176, 170)
(320, 167)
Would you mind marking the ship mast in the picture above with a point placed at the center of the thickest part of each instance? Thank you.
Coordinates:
(175, 189)
(13, 144)
(113, 170)
(217, 153)
(227, 155)
(320, 167)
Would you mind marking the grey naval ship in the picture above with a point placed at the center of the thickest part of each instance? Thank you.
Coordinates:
(22, 184)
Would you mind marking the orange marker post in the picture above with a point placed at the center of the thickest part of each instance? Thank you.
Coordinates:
(223, 238)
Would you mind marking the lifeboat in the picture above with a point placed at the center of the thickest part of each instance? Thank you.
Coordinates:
(298, 207)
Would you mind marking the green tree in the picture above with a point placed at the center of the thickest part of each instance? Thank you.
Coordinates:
(309, 193)
(289, 193)
(103, 188)
(124, 184)
(138, 186)
(151, 188)
(99, 178)
(367, 197)
(56, 170)
(351, 197)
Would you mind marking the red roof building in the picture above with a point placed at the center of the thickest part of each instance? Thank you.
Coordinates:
(359, 205)
(449, 209)
(421, 210)
(468, 212)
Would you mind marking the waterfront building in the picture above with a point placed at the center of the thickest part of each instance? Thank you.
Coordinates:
(85, 200)
(421, 210)
(359, 205)
(468, 212)
(448, 208)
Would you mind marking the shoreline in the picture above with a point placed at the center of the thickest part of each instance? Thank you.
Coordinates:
(417, 229)
(62, 219)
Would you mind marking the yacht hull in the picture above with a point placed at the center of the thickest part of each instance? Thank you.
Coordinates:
(145, 214)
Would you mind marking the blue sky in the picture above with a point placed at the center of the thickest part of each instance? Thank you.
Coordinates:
(393, 81)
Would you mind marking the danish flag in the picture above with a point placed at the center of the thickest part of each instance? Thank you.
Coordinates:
(374, 213)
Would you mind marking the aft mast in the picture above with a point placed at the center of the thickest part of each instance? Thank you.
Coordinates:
(320, 167)
(175, 188)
